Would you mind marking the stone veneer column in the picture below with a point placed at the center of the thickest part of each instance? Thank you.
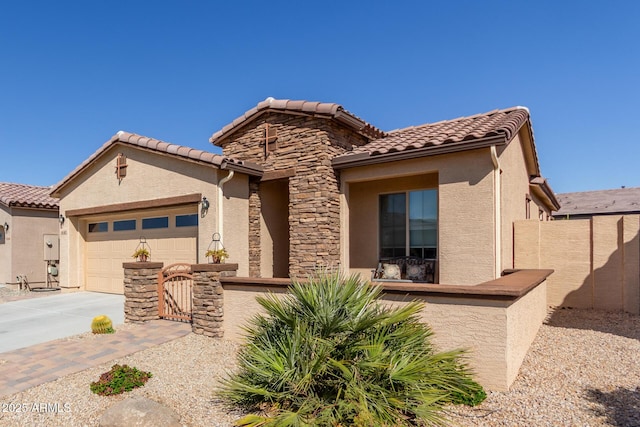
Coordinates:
(254, 229)
(208, 303)
(141, 291)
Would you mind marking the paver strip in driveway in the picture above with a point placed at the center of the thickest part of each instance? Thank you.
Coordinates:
(31, 366)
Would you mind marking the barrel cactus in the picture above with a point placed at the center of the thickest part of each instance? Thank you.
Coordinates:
(102, 325)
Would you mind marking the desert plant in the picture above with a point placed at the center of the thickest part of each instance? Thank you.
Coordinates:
(329, 354)
(141, 254)
(217, 255)
(102, 325)
(118, 379)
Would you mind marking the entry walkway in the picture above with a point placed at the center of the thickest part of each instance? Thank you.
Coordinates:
(31, 366)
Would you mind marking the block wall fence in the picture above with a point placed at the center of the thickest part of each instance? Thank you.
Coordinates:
(596, 261)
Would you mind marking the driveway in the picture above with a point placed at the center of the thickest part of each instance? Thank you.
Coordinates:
(32, 321)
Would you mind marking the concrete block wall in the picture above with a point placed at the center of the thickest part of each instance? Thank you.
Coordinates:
(596, 261)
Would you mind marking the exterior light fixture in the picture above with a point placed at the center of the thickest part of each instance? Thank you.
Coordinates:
(205, 207)
(61, 219)
(6, 227)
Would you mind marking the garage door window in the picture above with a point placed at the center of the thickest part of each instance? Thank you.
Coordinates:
(98, 227)
(124, 225)
(187, 220)
(158, 222)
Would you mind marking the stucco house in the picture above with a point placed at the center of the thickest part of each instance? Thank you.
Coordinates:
(302, 185)
(336, 190)
(136, 188)
(27, 215)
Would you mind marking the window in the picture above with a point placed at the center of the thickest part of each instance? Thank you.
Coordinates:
(124, 225)
(158, 222)
(187, 220)
(409, 224)
(98, 227)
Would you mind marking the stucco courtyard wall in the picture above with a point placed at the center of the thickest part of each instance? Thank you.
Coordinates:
(497, 332)
(596, 261)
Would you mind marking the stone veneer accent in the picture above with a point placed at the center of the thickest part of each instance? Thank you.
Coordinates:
(254, 228)
(308, 145)
(141, 291)
(208, 300)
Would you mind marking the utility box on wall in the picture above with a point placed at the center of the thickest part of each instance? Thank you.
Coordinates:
(51, 247)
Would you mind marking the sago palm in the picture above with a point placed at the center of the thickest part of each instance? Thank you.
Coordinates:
(329, 354)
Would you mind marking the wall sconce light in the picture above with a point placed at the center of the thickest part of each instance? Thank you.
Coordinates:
(6, 227)
(205, 207)
(61, 219)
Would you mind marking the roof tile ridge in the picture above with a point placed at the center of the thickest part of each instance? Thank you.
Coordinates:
(461, 118)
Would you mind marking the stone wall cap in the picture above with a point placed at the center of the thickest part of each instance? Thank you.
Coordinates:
(142, 265)
(214, 267)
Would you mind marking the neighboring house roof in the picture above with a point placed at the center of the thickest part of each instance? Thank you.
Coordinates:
(155, 145)
(27, 196)
(603, 202)
(313, 109)
(464, 133)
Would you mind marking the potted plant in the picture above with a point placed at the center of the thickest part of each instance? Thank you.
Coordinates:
(141, 254)
(217, 255)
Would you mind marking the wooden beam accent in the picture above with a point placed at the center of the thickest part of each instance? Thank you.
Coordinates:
(132, 206)
(278, 174)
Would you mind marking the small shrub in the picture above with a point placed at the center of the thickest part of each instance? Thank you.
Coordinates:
(102, 325)
(119, 379)
(328, 354)
(474, 398)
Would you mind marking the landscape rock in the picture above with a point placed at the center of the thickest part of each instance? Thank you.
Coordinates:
(139, 412)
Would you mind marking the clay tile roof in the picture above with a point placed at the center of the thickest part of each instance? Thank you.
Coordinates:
(160, 146)
(27, 196)
(601, 202)
(315, 109)
(497, 123)
(156, 145)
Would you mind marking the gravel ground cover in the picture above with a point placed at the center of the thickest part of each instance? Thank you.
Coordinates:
(582, 370)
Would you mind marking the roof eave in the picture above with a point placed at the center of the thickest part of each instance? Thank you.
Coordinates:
(337, 113)
(542, 189)
(365, 159)
(247, 168)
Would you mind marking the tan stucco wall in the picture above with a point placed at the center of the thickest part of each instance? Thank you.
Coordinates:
(6, 274)
(595, 260)
(497, 333)
(152, 176)
(235, 233)
(514, 186)
(274, 229)
(524, 318)
(364, 219)
(240, 305)
(466, 249)
(23, 250)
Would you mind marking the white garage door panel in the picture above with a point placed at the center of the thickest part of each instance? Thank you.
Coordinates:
(105, 252)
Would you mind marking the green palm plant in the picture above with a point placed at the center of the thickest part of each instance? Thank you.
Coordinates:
(329, 354)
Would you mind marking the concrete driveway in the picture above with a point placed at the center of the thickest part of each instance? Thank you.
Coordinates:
(32, 321)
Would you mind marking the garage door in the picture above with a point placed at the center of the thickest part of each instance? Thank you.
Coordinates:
(171, 236)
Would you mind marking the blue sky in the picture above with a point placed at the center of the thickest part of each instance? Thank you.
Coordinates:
(74, 73)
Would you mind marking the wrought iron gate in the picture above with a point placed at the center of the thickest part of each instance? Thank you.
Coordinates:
(174, 292)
